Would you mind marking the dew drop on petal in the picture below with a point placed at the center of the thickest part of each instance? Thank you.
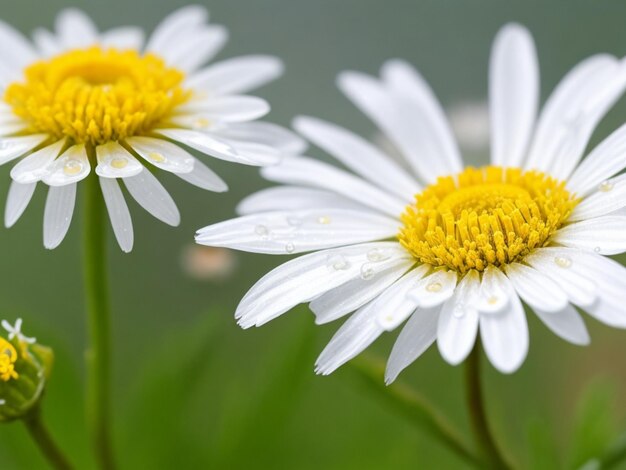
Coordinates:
(261, 230)
(157, 157)
(367, 271)
(605, 186)
(294, 221)
(72, 167)
(119, 163)
(434, 287)
(563, 261)
(290, 247)
(323, 219)
(597, 249)
(459, 311)
(376, 254)
(338, 263)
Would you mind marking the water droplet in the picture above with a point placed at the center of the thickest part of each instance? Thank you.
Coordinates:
(367, 271)
(157, 157)
(290, 247)
(72, 167)
(376, 254)
(323, 219)
(459, 311)
(597, 249)
(605, 186)
(563, 261)
(493, 300)
(434, 287)
(294, 221)
(338, 263)
(261, 230)
(119, 163)
(201, 123)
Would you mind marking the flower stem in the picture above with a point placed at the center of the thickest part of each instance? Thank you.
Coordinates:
(44, 441)
(412, 406)
(98, 311)
(478, 417)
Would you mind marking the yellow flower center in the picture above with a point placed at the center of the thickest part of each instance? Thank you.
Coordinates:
(97, 95)
(486, 216)
(8, 356)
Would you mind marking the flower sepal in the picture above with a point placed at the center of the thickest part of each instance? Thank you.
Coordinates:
(25, 367)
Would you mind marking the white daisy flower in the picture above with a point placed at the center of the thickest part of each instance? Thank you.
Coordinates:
(448, 250)
(78, 100)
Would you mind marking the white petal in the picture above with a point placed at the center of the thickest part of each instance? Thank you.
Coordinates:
(610, 279)
(397, 304)
(505, 334)
(356, 334)
(264, 133)
(434, 289)
(562, 266)
(605, 235)
(290, 198)
(9, 128)
(58, 214)
(162, 154)
(572, 112)
(606, 160)
(609, 197)
(118, 213)
(458, 320)
(203, 177)
(124, 37)
(414, 339)
(153, 197)
(513, 94)
(251, 153)
(75, 29)
(362, 328)
(309, 172)
(15, 50)
(230, 108)
(494, 295)
(17, 200)
(71, 167)
(114, 161)
(187, 18)
(194, 47)
(14, 147)
(35, 166)
(306, 277)
(535, 288)
(46, 42)
(358, 155)
(237, 75)
(349, 297)
(566, 323)
(428, 123)
(206, 144)
(297, 231)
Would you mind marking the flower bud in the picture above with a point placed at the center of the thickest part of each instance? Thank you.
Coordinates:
(24, 369)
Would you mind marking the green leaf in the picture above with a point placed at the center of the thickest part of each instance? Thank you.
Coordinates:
(594, 425)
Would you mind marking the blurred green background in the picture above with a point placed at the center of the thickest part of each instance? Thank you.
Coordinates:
(191, 389)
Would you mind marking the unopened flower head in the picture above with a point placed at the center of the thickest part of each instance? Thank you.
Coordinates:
(25, 367)
(78, 100)
(449, 251)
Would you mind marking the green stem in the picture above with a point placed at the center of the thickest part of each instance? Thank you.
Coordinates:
(411, 405)
(478, 415)
(44, 441)
(98, 311)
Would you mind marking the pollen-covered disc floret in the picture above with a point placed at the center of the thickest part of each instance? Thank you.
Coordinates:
(8, 356)
(485, 216)
(97, 95)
